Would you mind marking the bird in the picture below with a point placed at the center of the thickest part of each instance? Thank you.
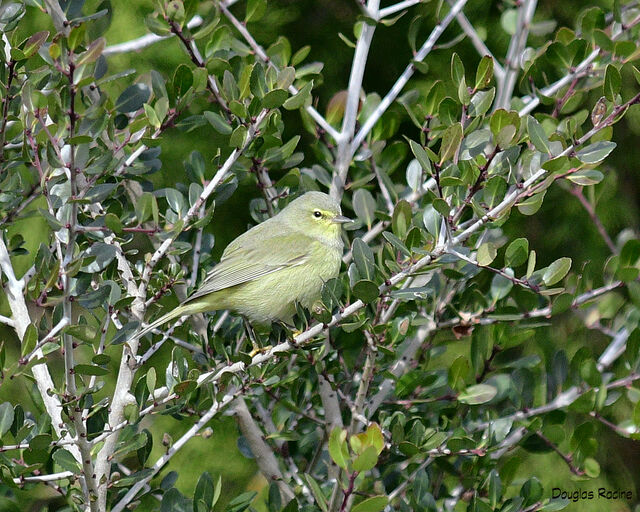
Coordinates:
(265, 271)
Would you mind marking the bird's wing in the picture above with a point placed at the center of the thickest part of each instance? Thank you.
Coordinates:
(254, 258)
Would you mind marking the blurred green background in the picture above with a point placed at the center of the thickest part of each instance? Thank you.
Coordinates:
(317, 23)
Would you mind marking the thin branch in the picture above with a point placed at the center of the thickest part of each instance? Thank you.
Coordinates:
(566, 398)
(159, 464)
(263, 454)
(400, 367)
(478, 43)
(365, 380)
(516, 47)
(135, 45)
(208, 190)
(21, 319)
(197, 247)
(44, 478)
(405, 76)
(259, 51)
(392, 9)
(591, 210)
(470, 319)
(409, 480)
(582, 69)
(344, 154)
(568, 459)
(64, 321)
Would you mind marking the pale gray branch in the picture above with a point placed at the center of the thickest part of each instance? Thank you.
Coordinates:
(135, 45)
(405, 76)
(120, 506)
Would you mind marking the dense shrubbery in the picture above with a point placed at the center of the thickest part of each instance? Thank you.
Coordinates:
(429, 366)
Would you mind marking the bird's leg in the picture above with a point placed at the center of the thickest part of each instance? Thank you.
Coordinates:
(290, 331)
(251, 334)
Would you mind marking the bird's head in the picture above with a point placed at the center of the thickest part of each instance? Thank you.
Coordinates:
(315, 214)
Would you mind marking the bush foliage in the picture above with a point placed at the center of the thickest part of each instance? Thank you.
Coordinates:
(433, 363)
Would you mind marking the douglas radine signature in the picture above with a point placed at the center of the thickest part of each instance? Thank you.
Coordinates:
(586, 495)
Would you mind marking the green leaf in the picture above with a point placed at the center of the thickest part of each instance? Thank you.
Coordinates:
(556, 271)
(531, 264)
(366, 460)
(478, 394)
(66, 461)
(363, 258)
(459, 372)
(501, 286)
(40, 442)
(255, 10)
(298, 101)
(531, 204)
(364, 205)
(35, 42)
(319, 496)
(421, 156)
(204, 491)
(401, 219)
(481, 102)
(537, 136)
(495, 488)
(450, 142)
(365, 290)
(373, 504)
(586, 177)
(612, 82)
(484, 73)
(338, 448)
(89, 369)
(596, 152)
(82, 332)
(133, 98)
(151, 379)
(29, 340)
(457, 69)
(219, 124)
(275, 98)
(241, 502)
(486, 254)
(517, 252)
(6, 417)
(93, 52)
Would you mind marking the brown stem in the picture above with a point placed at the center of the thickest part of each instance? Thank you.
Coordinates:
(560, 103)
(577, 192)
(348, 491)
(197, 60)
(476, 186)
(568, 459)
(5, 108)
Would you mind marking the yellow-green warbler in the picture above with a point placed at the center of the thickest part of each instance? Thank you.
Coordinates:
(265, 271)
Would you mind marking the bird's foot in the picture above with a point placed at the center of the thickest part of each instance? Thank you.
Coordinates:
(259, 350)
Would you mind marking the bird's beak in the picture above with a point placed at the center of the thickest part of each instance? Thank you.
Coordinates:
(341, 219)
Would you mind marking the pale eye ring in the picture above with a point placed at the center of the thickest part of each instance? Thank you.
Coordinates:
(317, 214)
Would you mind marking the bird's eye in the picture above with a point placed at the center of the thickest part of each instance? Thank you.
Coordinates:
(317, 214)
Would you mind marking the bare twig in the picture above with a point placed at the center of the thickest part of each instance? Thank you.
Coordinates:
(259, 51)
(344, 153)
(213, 410)
(264, 456)
(516, 47)
(577, 192)
(135, 45)
(405, 76)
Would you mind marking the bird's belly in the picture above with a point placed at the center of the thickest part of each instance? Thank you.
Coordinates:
(273, 297)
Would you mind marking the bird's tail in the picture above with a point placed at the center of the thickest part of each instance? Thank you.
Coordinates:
(182, 310)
